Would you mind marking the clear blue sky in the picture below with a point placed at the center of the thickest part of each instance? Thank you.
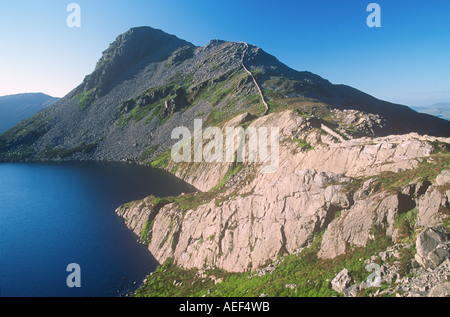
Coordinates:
(407, 60)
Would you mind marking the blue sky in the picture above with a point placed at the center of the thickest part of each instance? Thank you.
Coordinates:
(407, 60)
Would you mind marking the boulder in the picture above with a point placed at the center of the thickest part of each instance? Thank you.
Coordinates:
(429, 206)
(443, 178)
(341, 281)
(367, 189)
(441, 290)
(432, 247)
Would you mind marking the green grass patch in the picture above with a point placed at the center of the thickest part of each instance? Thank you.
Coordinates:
(257, 71)
(232, 170)
(151, 103)
(179, 89)
(250, 100)
(301, 113)
(54, 153)
(406, 257)
(145, 233)
(303, 144)
(15, 144)
(21, 154)
(215, 117)
(405, 223)
(426, 171)
(161, 160)
(446, 222)
(148, 152)
(396, 181)
(440, 147)
(161, 283)
(85, 99)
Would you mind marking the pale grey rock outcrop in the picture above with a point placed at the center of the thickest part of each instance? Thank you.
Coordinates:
(355, 225)
(440, 290)
(135, 220)
(443, 178)
(246, 232)
(341, 281)
(433, 247)
(434, 201)
(429, 207)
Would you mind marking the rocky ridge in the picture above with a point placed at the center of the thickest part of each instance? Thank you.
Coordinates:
(149, 82)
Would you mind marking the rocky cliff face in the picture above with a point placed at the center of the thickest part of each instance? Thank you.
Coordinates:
(336, 187)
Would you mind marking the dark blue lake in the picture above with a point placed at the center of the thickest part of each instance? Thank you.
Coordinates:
(55, 214)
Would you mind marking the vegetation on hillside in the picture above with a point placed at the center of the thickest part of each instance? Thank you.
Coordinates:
(302, 275)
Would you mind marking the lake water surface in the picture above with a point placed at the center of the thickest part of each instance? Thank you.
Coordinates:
(54, 214)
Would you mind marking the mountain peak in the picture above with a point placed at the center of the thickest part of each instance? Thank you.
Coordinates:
(128, 49)
(143, 33)
(215, 42)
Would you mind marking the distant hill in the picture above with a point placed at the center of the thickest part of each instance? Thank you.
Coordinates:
(440, 110)
(15, 108)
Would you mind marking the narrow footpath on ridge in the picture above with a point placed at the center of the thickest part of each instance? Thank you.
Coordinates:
(325, 128)
(254, 79)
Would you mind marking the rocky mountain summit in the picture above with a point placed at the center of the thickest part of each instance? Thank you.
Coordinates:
(353, 174)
